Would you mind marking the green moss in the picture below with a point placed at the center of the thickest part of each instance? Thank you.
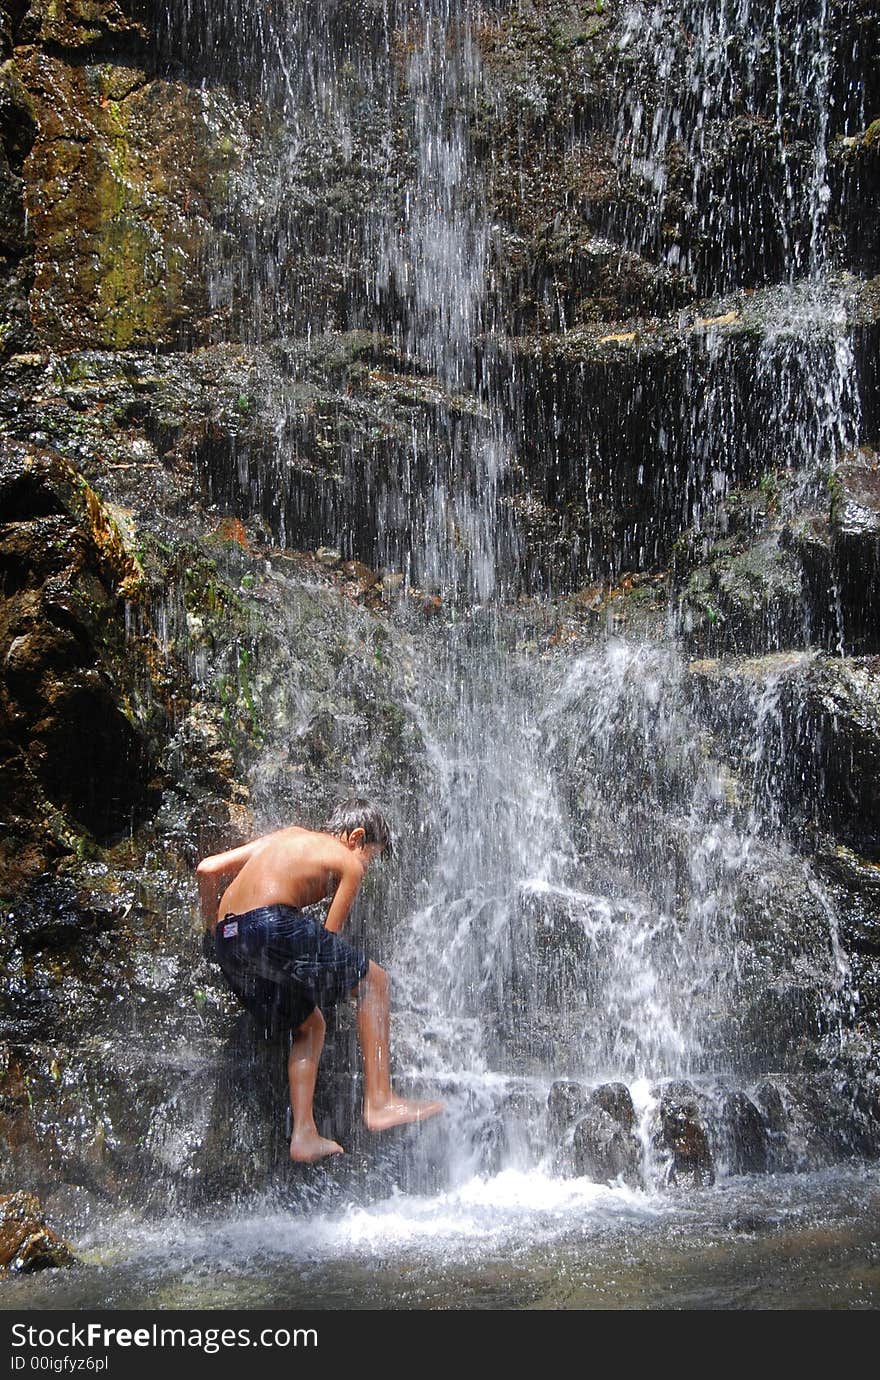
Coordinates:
(247, 696)
(139, 270)
(238, 708)
(204, 591)
(769, 488)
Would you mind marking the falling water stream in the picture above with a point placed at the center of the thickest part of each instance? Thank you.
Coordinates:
(575, 905)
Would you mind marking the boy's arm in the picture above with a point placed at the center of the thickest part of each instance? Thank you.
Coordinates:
(351, 874)
(212, 873)
(209, 897)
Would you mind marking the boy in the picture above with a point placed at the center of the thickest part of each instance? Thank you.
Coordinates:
(284, 965)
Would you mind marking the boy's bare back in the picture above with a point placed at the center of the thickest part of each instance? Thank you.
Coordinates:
(294, 867)
(298, 965)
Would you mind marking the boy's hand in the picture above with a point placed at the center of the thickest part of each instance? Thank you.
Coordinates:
(212, 873)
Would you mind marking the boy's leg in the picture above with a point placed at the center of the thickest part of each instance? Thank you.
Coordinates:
(302, 1072)
(382, 1108)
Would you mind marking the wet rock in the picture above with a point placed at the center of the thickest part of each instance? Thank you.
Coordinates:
(74, 1207)
(328, 558)
(513, 1130)
(392, 582)
(768, 1098)
(127, 171)
(566, 1103)
(556, 945)
(783, 563)
(815, 1119)
(865, 974)
(855, 540)
(747, 1136)
(114, 1126)
(817, 722)
(17, 132)
(855, 497)
(681, 1137)
(523, 1121)
(783, 1020)
(838, 548)
(26, 1242)
(813, 1129)
(601, 1145)
(602, 1150)
(553, 935)
(744, 598)
(93, 26)
(615, 1099)
(853, 166)
(856, 883)
(608, 394)
(364, 579)
(594, 1131)
(74, 722)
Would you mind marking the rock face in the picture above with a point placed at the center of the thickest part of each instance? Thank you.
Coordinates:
(227, 426)
(76, 725)
(126, 172)
(99, 931)
(821, 731)
(129, 171)
(17, 132)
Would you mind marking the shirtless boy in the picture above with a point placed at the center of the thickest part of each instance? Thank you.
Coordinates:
(284, 965)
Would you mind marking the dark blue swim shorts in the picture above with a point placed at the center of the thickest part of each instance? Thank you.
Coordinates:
(281, 963)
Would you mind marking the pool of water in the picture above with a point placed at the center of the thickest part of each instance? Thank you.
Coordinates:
(514, 1241)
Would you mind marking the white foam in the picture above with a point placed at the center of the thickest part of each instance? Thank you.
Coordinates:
(485, 1213)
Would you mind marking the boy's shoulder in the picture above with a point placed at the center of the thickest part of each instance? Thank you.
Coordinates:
(304, 838)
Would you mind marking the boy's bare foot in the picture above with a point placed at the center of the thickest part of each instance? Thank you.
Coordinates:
(398, 1111)
(307, 1146)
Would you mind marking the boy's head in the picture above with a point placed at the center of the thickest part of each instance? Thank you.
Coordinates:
(353, 814)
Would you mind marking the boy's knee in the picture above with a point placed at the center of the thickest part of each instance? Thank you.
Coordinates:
(376, 978)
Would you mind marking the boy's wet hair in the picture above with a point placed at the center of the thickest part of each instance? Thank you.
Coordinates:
(361, 814)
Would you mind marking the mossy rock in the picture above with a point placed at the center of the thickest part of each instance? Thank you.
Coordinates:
(125, 179)
(26, 1242)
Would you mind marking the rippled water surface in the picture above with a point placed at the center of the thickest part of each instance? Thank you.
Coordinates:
(515, 1241)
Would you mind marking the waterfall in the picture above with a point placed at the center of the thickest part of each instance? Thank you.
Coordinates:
(585, 872)
(714, 72)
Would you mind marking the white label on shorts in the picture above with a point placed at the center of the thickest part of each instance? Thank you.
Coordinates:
(230, 930)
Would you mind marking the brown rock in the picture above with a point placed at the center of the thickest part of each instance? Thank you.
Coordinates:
(75, 729)
(232, 529)
(327, 557)
(682, 1136)
(121, 189)
(26, 1243)
(88, 24)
